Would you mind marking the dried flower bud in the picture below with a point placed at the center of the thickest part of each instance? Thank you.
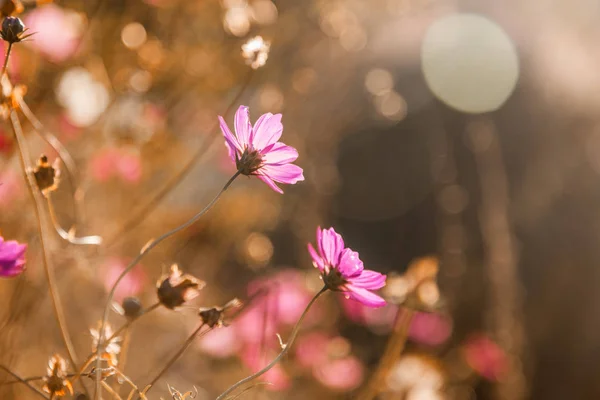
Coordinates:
(215, 316)
(131, 307)
(176, 288)
(13, 30)
(111, 349)
(10, 7)
(256, 52)
(55, 381)
(46, 175)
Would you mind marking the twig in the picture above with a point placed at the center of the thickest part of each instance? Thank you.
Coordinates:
(175, 180)
(33, 191)
(185, 345)
(23, 381)
(283, 352)
(63, 153)
(137, 259)
(8, 49)
(132, 320)
(70, 236)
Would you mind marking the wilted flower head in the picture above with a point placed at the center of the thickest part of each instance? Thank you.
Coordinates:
(13, 30)
(215, 316)
(256, 150)
(55, 381)
(46, 175)
(112, 348)
(343, 271)
(12, 258)
(256, 52)
(176, 288)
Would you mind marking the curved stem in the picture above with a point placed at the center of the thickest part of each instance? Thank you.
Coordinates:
(137, 259)
(185, 345)
(175, 180)
(35, 195)
(23, 381)
(70, 236)
(8, 49)
(62, 152)
(132, 320)
(283, 352)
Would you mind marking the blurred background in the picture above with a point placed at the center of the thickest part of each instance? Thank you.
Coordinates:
(454, 144)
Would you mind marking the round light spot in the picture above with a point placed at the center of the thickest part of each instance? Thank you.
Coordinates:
(133, 35)
(379, 81)
(469, 63)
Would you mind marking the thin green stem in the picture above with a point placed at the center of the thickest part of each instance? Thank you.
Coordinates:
(23, 381)
(35, 196)
(147, 248)
(175, 357)
(283, 352)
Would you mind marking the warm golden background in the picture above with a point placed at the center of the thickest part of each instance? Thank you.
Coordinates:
(464, 130)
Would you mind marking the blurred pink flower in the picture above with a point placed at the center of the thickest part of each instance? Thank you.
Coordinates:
(485, 357)
(256, 324)
(340, 374)
(311, 349)
(116, 162)
(11, 187)
(381, 318)
(56, 33)
(12, 258)
(131, 285)
(254, 359)
(343, 271)
(429, 328)
(256, 150)
(220, 343)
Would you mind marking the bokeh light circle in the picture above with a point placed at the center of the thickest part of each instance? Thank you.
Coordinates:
(469, 63)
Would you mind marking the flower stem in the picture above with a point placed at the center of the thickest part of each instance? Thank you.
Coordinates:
(185, 345)
(63, 153)
(69, 236)
(33, 191)
(175, 180)
(137, 259)
(24, 381)
(132, 320)
(393, 349)
(8, 49)
(283, 352)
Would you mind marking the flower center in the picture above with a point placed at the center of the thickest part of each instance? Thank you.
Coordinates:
(333, 279)
(249, 162)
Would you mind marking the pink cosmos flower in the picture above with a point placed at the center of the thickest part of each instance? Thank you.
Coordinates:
(256, 150)
(343, 271)
(12, 258)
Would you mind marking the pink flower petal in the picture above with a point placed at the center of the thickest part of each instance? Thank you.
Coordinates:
(230, 140)
(267, 130)
(286, 173)
(243, 128)
(364, 296)
(332, 245)
(349, 264)
(270, 183)
(369, 280)
(280, 154)
(317, 260)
